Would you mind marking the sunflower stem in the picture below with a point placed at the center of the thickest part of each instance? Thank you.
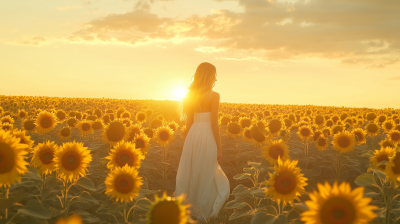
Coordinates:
(43, 178)
(165, 165)
(125, 216)
(338, 169)
(281, 207)
(4, 195)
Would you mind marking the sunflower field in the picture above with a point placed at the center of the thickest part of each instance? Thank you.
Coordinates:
(98, 161)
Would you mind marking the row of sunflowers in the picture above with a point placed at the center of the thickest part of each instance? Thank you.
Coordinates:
(133, 130)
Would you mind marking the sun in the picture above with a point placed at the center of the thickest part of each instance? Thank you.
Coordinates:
(180, 93)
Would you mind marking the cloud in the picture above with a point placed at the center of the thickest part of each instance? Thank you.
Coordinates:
(209, 49)
(357, 32)
(34, 41)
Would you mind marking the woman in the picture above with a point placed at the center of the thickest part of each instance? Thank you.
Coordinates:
(199, 174)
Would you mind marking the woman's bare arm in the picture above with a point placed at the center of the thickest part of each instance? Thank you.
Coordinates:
(215, 124)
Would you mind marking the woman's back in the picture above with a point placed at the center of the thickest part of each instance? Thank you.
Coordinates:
(204, 104)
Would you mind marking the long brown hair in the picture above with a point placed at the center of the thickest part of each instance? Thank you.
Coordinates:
(202, 82)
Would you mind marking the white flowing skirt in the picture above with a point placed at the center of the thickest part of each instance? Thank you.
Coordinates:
(199, 175)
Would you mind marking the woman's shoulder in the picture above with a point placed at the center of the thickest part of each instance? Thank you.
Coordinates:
(214, 94)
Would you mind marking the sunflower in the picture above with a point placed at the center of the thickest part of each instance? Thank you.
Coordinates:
(124, 153)
(287, 183)
(149, 132)
(245, 122)
(12, 163)
(173, 125)
(7, 126)
(167, 210)
(71, 122)
(381, 118)
(156, 123)
(97, 124)
(394, 136)
(259, 138)
(329, 123)
(183, 132)
(360, 133)
(387, 143)
(370, 116)
(288, 123)
(338, 204)
(224, 120)
(322, 143)
(343, 141)
(326, 131)
(127, 122)
(164, 135)
(24, 139)
(261, 124)
(246, 135)
(305, 133)
(275, 126)
(336, 129)
(133, 131)
(115, 132)
(64, 133)
(123, 183)
(43, 157)
(316, 135)
(72, 160)
(85, 127)
(141, 117)
(234, 129)
(388, 125)
(6, 119)
(74, 219)
(45, 122)
(382, 155)
(22, 114)
(142, 142)
(274, 150)
(319, 120)
(372, 129)
(61, 115)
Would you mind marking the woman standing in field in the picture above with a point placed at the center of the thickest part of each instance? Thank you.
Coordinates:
(199, 174)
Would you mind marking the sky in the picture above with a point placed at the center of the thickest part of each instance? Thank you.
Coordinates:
(291, 52)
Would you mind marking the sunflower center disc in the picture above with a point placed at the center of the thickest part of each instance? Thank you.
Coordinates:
(7, 158)
(286, 183)
(124, 158)
(360, 136)
(22, 141)
(395, 136)
(123, 183)
(338, 214)
(372, 128)
(46, 123)
(305, 132)
(65, 132)
(139, 143)
(164, 136)
(344, 142)
(85, 127)
(48, 156)
(71, 160)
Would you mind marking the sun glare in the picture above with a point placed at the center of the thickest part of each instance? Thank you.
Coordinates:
(180, 93)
